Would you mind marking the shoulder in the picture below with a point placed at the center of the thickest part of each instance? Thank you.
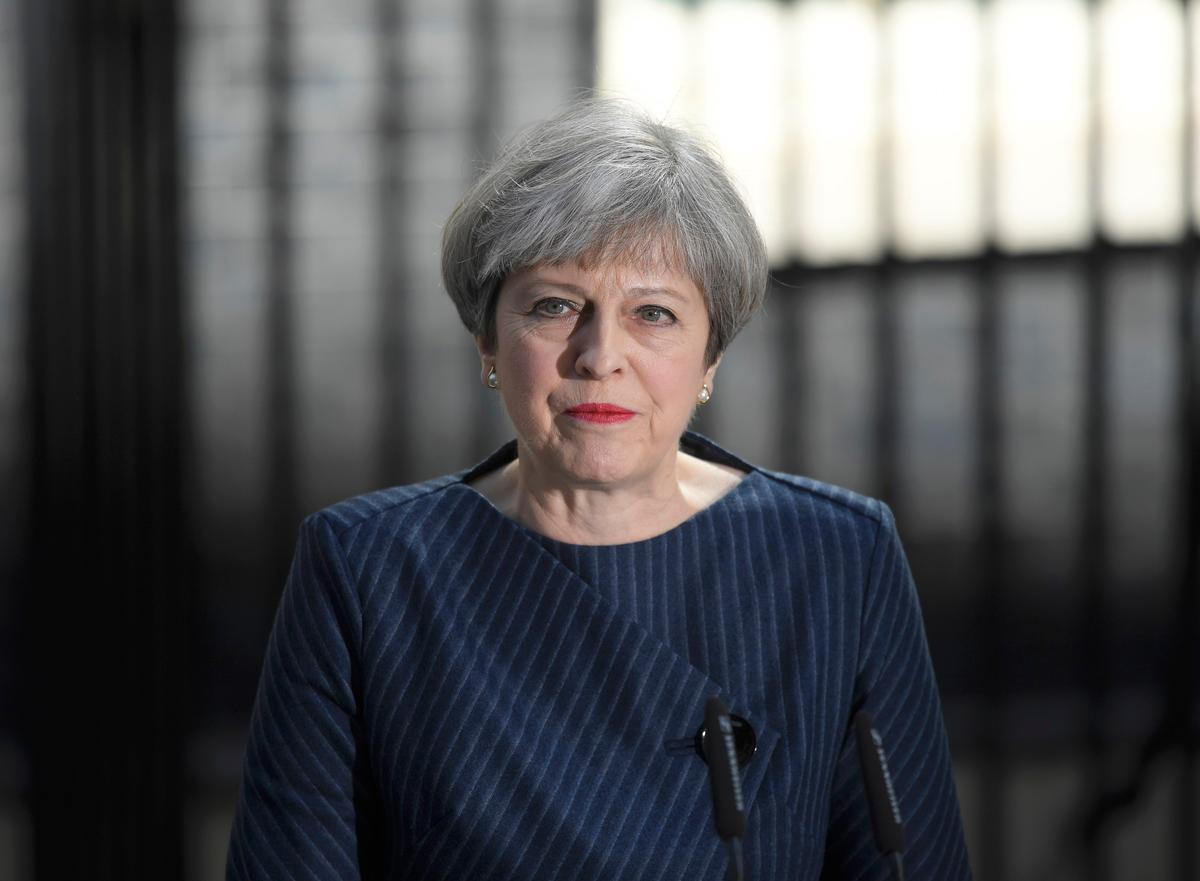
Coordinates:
(806, 496)
(414, 528)
(376, 528)
(826, 498)
(351, 512)
(820, 521)
(414, 515)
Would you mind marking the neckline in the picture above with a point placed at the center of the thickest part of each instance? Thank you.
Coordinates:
(696, 444)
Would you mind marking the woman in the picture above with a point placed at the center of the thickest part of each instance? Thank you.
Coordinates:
(480, 677)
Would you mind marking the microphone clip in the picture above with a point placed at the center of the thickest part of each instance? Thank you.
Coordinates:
(745, 742)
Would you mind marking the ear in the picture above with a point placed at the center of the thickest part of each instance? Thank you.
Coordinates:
(487, 358)
(711, 372)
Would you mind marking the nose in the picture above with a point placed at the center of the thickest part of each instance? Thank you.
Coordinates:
(598, 346)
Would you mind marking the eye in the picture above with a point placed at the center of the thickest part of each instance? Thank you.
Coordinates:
(552, 307)
(656, 315)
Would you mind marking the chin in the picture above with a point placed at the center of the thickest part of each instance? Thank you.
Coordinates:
(603, 462)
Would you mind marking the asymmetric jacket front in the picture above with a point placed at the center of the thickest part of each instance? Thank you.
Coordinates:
(447, 695)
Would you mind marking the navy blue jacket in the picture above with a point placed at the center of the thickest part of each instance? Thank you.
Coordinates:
(447, 695)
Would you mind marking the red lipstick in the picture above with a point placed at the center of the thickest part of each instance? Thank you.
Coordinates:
(603, 413)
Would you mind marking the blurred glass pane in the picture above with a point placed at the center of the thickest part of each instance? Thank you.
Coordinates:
(1141, 119)
(717, 70)
(936, 324)
(1193, 102)
(1143, 366)
(835, 145)
(741, 101)
(754, 377)
(223, 105)
(840, 157)
(839, 385)
(1040, 314)
(642, 54)
(1040, 74)
(935, 126)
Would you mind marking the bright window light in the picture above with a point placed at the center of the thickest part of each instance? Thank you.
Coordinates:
(930, 127)
(643, 54)
(1141, 119)
(935, 121)
(835, 148)
(741, 100)
(1040, 52)
(1193, 107)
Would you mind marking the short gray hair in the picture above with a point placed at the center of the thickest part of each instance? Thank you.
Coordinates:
(602, 180)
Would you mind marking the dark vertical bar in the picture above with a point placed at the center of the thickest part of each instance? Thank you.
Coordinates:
(1184, 688)
(792, 362)
(992, 625)
(487, 72)
(585, 44)
(1186, 661)
(284, 509)
(884, 290)
(395, 448)
(887, 384)
(1093, 633)
(794, 367)
(107, 581)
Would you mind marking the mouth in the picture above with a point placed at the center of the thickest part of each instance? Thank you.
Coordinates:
(602, 413)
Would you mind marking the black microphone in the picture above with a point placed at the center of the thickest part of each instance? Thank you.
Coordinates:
(881, 795)
(729, 808)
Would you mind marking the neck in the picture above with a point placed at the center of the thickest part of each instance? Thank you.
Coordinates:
(607, 514)
(599, 514)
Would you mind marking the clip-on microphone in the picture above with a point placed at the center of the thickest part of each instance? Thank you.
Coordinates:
(729, 808)
(881, 795)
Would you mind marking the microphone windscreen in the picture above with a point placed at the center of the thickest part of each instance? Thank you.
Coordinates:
(881, 796)
(728, 807)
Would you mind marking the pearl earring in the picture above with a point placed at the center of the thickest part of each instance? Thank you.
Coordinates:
(493, 381)
(705, 394)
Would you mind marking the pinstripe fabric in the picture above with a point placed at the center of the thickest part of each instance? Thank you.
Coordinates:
(447, 695)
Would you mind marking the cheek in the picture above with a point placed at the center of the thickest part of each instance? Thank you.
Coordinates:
(528, 377)
(524, 360)
(677, 384)
(529, 369)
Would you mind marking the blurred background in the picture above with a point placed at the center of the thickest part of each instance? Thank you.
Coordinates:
(220, 309)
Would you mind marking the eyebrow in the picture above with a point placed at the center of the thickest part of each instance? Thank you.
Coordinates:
(671, 293)
(539, 283)
(658, 292)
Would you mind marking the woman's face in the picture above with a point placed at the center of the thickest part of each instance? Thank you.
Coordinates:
(599, 367)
